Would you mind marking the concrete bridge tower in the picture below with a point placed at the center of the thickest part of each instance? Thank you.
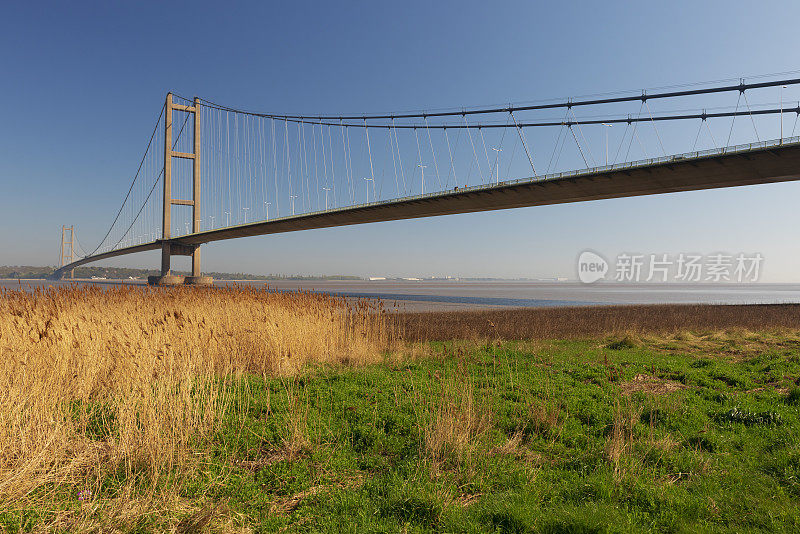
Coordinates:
(169, 249)
(68, 247)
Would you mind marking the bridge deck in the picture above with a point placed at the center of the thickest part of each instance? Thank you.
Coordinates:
(758, 163)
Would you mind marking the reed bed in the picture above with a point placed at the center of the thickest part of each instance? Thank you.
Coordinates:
(592, 321)
(97, 382)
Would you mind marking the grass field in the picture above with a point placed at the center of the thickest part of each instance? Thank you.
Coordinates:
(354, 431)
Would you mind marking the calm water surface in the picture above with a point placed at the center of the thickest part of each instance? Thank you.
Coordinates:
(453, 295)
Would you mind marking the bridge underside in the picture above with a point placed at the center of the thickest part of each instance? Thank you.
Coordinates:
(778, 163)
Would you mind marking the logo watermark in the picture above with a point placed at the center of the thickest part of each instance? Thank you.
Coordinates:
(591, 267)
(714, 268)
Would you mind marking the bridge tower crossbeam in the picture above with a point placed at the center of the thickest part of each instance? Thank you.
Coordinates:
(168, 248)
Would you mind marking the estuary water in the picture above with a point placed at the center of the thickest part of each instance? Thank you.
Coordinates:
(428, 295)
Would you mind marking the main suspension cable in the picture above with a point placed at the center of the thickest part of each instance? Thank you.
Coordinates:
(174, 144)
(569, 103)
(130, 189)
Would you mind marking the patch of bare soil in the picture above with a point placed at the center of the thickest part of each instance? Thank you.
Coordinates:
(289, 504)
(650, 384)
(271, 457)
(286, 505)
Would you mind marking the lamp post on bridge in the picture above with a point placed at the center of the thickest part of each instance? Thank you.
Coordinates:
(212, 221)
(497, 164)
(422, 167)
(326, 197)
(293, 197)
(608, 127)
(245, 214)
(227, 218)
(368, 180)
(267, 205)
(781, 113)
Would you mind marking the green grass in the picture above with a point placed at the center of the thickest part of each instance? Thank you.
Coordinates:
(607, 435)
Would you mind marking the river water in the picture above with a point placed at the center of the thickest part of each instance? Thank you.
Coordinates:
(423, 295)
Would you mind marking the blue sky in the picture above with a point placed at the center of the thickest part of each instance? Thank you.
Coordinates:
(82, 84)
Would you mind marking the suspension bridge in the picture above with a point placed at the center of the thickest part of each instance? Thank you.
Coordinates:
(211, 172)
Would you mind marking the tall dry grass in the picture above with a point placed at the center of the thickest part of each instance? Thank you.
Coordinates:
(456, 423)
(621, 441)
(95, 381)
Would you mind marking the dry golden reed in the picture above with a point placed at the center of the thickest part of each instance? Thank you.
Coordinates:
(95, 380)
(457, 421)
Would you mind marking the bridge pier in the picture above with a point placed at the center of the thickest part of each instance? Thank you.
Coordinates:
(197, 278)
(166, 278)
(165, 259)
(198, 281)
(171, 280)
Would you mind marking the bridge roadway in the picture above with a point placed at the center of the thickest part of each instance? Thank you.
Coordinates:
(757, 163)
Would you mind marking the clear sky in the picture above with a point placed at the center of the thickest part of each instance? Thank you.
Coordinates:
(82, 82)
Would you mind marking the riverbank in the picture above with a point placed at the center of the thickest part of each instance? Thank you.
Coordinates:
(247, 410)
(593, 321)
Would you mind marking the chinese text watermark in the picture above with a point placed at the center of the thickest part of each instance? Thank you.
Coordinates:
(683, 267)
